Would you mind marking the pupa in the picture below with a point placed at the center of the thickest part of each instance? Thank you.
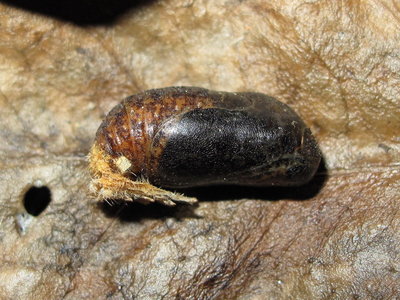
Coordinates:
(177, 137)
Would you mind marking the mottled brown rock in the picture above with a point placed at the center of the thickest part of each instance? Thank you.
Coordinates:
(335, 63)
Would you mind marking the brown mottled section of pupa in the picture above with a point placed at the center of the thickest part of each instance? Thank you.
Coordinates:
(129, 127)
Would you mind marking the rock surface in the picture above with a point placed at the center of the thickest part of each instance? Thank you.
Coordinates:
(337, 64)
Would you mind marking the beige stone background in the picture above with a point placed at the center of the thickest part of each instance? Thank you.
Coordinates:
(337, 63)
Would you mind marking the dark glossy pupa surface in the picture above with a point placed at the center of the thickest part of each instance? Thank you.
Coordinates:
(187, 136)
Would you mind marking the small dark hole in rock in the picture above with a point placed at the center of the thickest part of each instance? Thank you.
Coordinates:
(36, 199)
